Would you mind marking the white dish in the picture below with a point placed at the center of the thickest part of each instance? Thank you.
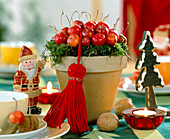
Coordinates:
(6, 96)
(158, 91)
(56, 132)
(7, 71)
(130, 88)
(26, 135)
(41, 135)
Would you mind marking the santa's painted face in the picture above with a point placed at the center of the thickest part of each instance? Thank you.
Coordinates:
(29, 66)
(27, 63)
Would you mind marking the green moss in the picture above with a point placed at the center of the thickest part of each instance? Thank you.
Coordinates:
(57, 51)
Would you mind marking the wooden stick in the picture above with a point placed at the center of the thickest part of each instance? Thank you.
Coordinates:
(150, 98)
(147, 98)
(168, 113)
(128, 56)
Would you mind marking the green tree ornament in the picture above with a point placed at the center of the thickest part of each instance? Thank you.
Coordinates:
(149, 76)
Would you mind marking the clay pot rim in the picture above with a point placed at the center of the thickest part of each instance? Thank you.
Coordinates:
(95, 63)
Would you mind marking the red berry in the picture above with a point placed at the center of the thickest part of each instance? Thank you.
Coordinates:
(86, 41)
(76, 29)
(112, 39)
(16, 117)
(91, 25)
(78, 22)
(64, 30)
(60, 38)
(87, 32)
(102, 29)
(122, 38)
(73, 40)
(103, 24)
(98, 39)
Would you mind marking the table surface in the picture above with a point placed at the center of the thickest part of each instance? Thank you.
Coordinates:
(124, 131)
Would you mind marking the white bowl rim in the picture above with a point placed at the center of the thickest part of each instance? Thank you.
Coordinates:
(16, 44)
(163, 59)
(18, 93)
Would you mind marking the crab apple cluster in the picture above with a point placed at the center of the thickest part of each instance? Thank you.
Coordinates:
(91, 32)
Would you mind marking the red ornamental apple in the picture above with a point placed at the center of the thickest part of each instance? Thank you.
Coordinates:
(103, 30)
(73, 40)
(113, 31)
(98, 39)
(85, 41)
(112, 39)
(60, 38)
(87, 32)
(94, 22)
(76, 29)
(102, 24)
(78, 22)
(122, 38)
(91, 25)
(64, 30)
(16, 117)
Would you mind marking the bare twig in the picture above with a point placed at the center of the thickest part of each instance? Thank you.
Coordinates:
(86, 13)
(61, 18)
(96, 15)
(115, 25)
(71, 19)
(54, 28)
(105, 18)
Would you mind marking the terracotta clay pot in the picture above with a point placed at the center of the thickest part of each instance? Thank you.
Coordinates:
(100, 82)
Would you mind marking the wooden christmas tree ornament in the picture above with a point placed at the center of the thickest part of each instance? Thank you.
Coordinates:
(149, 76)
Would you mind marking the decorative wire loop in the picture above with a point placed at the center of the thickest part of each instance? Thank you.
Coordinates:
(76, 79)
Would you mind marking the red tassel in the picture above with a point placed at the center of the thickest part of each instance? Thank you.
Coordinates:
(71, 102)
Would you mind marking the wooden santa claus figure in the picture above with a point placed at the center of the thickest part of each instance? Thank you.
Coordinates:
(26, 78)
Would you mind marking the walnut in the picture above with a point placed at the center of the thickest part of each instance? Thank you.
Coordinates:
(122, 105)
(107, 122)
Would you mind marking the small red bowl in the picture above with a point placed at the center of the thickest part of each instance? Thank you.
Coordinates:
(141, 122)
(45, 98)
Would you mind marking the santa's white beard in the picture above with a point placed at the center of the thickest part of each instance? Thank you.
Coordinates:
(30, 73)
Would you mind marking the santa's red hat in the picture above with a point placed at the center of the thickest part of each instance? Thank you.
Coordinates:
(26, 54)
